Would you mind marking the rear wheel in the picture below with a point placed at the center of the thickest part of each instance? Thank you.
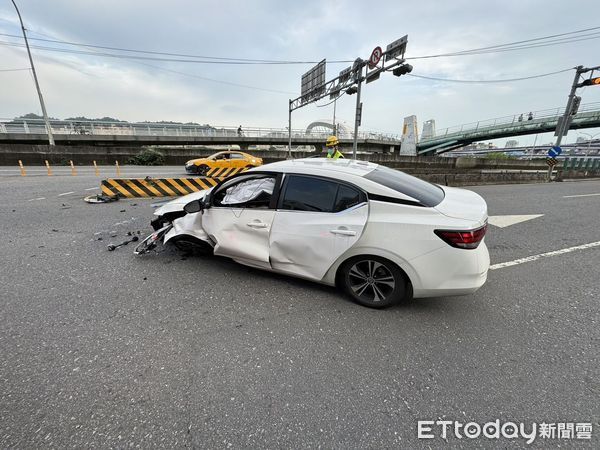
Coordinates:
(373, 281)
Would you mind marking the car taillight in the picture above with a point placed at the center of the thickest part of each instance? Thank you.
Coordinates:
(469, 239)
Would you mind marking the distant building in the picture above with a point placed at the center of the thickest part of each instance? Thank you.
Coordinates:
(511, 143)
(428, 129)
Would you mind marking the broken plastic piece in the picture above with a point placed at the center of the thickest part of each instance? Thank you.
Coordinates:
(99, 198)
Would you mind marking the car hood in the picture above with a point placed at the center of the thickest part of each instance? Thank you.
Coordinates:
(196, 161)
(463, 204)
(178, 203)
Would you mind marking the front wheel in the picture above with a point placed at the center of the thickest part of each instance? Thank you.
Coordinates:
(202, 170)
(373, 281)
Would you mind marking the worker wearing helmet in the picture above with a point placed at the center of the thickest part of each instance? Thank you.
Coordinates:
(332, 148)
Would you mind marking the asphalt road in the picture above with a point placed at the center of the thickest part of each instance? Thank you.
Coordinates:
(105, 349)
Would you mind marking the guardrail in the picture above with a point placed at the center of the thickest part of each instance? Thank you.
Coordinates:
(516, 119)
(108, 128)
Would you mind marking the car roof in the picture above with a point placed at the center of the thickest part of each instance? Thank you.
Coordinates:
(349, 170)
(316, 166)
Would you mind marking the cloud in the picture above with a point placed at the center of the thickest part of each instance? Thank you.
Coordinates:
(309, 30)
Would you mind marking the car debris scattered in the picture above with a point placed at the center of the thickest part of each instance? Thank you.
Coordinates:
(112, 247)
(100, 198)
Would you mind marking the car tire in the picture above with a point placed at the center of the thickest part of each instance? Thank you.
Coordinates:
(373, 281)
(202, 170)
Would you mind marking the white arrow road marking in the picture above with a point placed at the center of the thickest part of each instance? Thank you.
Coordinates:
(580, 195)
(507, 221)
(544, 255)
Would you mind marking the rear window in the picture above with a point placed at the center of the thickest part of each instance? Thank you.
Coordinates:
(425, 193)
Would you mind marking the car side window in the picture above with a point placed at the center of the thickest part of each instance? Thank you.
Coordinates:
(251, 192)
(347, 197)
(303, 193)
(237, 156)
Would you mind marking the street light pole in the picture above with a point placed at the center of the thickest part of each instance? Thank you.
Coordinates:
(591, 136)
(290, 130)
(37, 85)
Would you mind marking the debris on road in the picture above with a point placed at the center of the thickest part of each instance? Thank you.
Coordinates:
(112, 247)
(99, 198)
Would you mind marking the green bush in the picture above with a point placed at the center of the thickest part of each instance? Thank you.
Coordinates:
(499, 155)
(148, 157)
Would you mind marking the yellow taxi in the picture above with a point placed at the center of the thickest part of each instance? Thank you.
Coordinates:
(224, 163)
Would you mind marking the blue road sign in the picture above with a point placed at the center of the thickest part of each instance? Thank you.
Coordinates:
(554, 151)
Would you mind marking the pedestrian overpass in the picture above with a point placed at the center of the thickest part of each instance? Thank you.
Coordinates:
(128, 134)
(544, 121)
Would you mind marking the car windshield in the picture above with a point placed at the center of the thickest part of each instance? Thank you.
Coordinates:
(424, 192)
(248, 190)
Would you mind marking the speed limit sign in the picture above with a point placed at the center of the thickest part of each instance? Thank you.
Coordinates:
(375, 57)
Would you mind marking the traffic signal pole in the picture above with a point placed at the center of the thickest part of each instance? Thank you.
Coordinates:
(35, 79)
(562, 127)
(357, 116)
(564, 122)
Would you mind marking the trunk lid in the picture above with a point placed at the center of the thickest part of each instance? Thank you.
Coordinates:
(463, 204)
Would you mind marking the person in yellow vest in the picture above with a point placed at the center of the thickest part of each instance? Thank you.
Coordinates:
(332, 148)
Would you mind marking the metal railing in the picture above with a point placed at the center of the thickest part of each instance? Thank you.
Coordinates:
(524, 119)
(107, 128)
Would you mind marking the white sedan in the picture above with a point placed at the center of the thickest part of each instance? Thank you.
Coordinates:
(378, 233)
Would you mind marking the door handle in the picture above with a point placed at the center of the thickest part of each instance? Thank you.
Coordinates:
(344, 232)
(257, 225)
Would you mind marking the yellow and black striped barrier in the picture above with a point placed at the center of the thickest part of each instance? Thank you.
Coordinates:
(224, 172)
(154, 187)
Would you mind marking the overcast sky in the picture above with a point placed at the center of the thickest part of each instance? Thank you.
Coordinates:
(309, 30)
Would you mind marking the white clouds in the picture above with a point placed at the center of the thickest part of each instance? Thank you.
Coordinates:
(308, 30)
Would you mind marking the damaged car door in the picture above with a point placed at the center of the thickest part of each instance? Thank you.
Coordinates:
(317, 220)
(239, 219)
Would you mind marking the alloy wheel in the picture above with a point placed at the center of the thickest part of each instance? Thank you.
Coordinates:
(371, 280)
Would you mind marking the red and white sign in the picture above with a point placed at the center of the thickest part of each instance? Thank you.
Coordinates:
(375, 57)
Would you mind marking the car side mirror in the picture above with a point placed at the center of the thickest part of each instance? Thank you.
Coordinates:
(194, 207)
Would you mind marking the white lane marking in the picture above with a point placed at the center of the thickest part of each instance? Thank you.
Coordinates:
(507, 221)
(92, 189)
(66, 193)
(544, 255)
(580, 195)
(39, 198)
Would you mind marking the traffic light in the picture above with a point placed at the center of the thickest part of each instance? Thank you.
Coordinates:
(402, 70)
(351, 90)
(591, 82)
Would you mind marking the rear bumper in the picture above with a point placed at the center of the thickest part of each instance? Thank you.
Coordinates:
(451, 271)
(191, 169)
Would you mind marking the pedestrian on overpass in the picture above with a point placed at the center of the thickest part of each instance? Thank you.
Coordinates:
(521, 118)
(530, 116)
(239, 131)
(332, 148)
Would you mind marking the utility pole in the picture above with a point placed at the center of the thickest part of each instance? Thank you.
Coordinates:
(37, 85)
